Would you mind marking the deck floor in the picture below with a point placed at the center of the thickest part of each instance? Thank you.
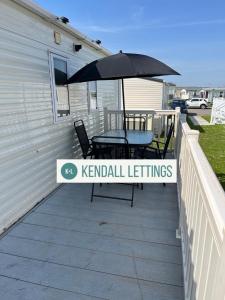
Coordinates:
(68, 248)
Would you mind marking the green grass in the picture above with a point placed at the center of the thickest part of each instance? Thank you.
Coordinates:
(207, 118)
(212, 141)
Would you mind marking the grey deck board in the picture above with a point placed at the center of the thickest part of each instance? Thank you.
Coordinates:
(108, 229)
(152, 221)
(14, 289)
(101, 243)
(69, 248)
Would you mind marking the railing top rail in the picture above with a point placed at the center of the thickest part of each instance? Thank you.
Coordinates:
(212, 188)
(132, 111)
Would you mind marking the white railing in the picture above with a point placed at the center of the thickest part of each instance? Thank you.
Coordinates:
(218, 111)
(156, 120)
(202, 219)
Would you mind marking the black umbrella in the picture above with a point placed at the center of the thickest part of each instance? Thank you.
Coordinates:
(120, 66)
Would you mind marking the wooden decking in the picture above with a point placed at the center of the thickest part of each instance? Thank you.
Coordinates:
(68, 248)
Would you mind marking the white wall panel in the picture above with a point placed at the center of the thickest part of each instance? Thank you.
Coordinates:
(30, 142)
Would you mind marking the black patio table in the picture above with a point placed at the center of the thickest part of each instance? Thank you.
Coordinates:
(135, 138)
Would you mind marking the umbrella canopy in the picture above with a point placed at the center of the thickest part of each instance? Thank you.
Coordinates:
(122, 65)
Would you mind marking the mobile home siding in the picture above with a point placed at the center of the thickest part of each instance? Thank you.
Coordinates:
(143, 94)
(30, 141)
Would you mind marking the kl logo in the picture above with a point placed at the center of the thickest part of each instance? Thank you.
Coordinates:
(69, 171)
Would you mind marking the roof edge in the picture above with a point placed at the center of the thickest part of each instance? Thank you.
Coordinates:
(47, 16)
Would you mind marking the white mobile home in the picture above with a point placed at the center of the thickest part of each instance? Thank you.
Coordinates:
(37, 52)
(203, 92)
(148, 93)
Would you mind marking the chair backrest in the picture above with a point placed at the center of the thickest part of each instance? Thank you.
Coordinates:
(82, 137)
(135, 122)
(168, 138)
(119, 145)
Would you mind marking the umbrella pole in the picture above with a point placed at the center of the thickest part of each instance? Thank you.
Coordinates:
(124, 110)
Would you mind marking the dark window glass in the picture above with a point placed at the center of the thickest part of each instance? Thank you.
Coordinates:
(60, 72)
(92, 94)
(60, 68)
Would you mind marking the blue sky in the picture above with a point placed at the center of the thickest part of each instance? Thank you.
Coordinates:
(187, 35)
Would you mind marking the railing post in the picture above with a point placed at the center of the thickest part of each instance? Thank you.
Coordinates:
(177, 118)
(177, 130)
(178, 136)
(181, 152)
(193, 135)
(182, 156)
(105, 119)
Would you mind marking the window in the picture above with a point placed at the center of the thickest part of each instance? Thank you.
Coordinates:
(60, 93)
(92, 96)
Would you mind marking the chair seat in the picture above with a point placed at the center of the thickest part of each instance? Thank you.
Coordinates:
(150, 154)
(146, 154)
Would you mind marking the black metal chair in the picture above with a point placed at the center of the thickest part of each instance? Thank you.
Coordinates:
(120, 151)
(83, 139)
(161, 152)
(157, 152)
(86, 144)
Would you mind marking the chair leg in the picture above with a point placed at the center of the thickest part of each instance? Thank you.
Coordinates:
(92, 191)
(142, 186)
(132, 198)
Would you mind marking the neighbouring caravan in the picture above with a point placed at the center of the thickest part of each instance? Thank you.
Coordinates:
(146, 94)
(37, 52)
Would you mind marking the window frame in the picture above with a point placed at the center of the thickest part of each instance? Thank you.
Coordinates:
(91, 110)
(53, 55)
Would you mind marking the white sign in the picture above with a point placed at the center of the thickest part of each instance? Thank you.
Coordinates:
(117, 171)
(218, 111)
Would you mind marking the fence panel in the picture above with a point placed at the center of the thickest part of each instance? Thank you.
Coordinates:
(202, 219)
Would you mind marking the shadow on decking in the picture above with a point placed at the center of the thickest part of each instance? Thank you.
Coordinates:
(69, 248)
